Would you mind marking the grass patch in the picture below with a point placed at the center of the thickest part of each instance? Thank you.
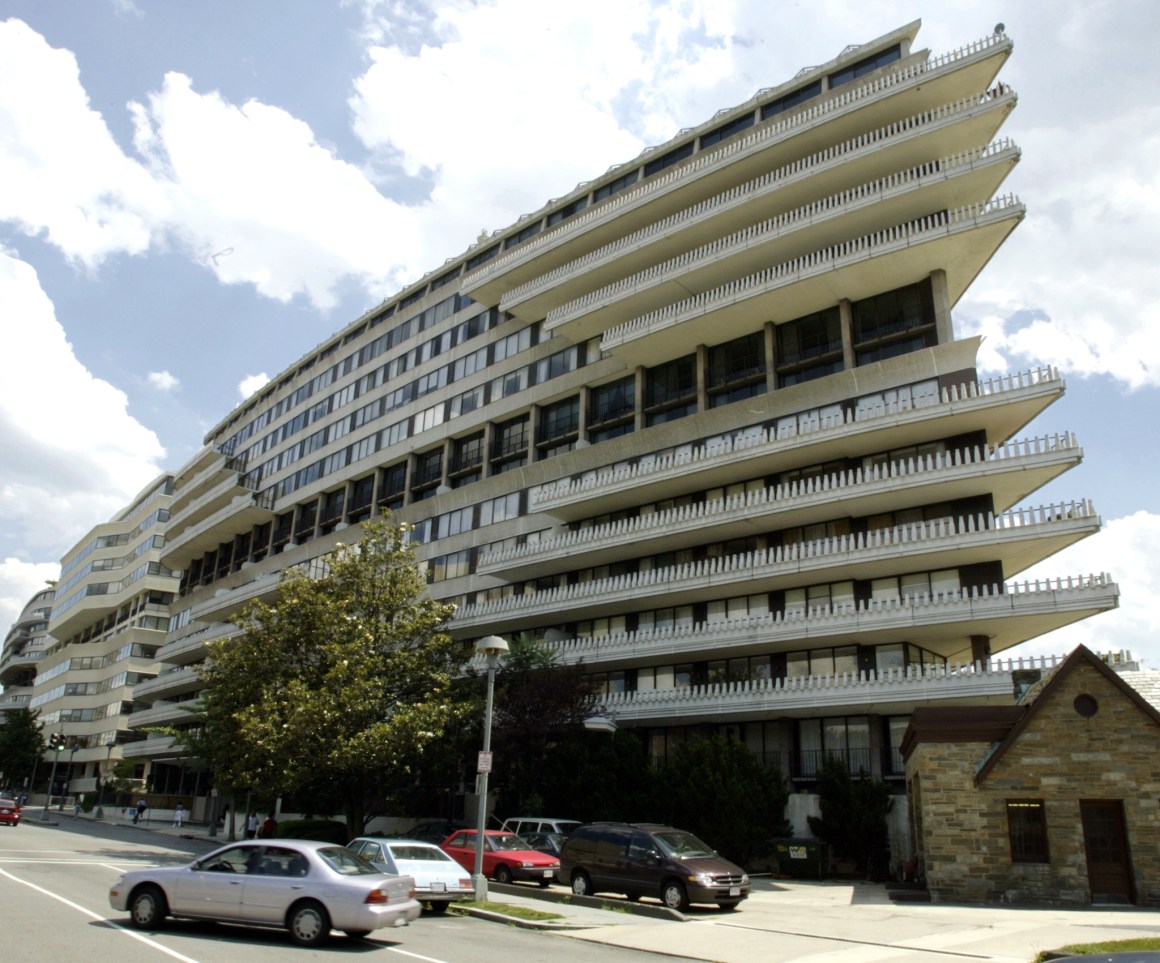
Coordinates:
(1112, 946)
(519, 912)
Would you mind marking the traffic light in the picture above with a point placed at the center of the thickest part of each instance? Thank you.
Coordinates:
(56, 742)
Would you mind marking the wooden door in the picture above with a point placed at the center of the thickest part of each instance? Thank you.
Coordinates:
(1106, 845)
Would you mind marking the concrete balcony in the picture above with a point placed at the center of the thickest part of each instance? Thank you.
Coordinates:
(960, 241)
(190, 647)
(999, 407)
(15, 697)
(862, 107)
(1007, 614)
(1009, 472)
(710, 259)
(168, 684)
(241, 511)
(165, 714)
(198, 488)
(1019, 539)
(896, 692)
(149, 747)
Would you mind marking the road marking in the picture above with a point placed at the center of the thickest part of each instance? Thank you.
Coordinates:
(100, 919)
(415, 956)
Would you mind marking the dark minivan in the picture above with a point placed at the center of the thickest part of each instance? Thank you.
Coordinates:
(647, 859)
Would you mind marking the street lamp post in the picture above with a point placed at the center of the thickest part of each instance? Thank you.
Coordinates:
(104, 779)
(55, 744)
(492, 647)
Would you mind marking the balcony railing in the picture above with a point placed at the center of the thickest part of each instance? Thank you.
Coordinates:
(901, 236)
(758, 440)
(792, 496)
(803, 561)
(852, 98)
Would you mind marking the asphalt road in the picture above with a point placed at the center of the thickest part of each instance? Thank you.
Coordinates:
(54, 882)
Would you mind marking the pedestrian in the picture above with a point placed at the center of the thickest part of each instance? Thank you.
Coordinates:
(252, 825)
(139, 813)
(77, 808)
(178, 815)
(269, 828)
(225, 812)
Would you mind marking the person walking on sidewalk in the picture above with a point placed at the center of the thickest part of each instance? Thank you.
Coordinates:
(178, 815)
(139, 813)
(252, 825)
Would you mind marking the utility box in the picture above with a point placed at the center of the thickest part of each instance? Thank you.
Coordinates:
(799, 858)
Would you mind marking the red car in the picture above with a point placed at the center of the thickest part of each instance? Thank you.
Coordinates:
(9, 811)
(506, 857)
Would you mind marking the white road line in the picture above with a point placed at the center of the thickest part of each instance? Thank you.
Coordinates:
(415, 956)
(96, 916)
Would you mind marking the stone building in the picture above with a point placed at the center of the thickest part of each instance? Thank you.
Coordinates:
(1056, 799)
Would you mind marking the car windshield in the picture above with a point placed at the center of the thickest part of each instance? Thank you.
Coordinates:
(507, 841)
(428, 853)
(682, 845)
(343, 861)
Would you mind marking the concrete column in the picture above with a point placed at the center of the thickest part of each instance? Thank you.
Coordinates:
(770, 357)
(638, 404)
(846, 320)
(980, 648)
(702, 363)
(582, 430)
(944, 329)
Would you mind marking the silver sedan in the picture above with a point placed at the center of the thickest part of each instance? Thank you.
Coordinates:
(303, 886)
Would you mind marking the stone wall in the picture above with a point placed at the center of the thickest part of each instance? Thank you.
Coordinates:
(1060, 757)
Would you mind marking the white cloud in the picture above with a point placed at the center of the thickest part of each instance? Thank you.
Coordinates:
(1126, 548)
(73, 456)
(252, 383)
(64, 177)
(163, 380)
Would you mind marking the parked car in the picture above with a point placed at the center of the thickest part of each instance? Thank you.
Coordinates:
(439, 879)
(646, 859)
(305, 886)
(522, 825)
(432, 831)
(9, 811)
(506, 857)
(550, 843)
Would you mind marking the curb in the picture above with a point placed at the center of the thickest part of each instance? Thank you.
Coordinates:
(494, 917)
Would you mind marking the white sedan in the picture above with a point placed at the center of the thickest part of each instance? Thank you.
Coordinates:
(439, 879)
(304, 886)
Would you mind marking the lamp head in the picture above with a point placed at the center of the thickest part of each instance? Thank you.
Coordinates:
(491, 646)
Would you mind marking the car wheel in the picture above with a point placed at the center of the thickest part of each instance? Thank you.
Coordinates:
(581, 884)
(436, 908)
(673, 895)
(147, 908)
(503, 873)
(308, 923)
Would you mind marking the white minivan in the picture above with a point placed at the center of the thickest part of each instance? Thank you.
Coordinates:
(539, 824)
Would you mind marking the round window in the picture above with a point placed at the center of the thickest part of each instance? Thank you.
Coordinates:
(1086, 705)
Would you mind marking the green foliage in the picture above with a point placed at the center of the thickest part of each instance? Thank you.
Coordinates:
(853, 819)
(538, 702)
(593, 776)
(21, 743)
(325, 830)
(344, 677)
(719, 790)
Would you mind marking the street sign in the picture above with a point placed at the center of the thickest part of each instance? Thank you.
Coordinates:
(484, 764)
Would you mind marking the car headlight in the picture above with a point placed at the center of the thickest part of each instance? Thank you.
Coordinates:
(703, 879)
(527, 864)
(744, 879)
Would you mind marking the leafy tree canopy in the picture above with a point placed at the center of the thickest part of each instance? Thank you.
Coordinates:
(21, 743)
(345, 676)
(853, 814)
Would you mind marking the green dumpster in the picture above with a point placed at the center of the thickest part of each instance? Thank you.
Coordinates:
(799, 858)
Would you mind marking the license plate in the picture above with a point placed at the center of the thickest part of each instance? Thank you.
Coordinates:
(734, 890)
(438, 887)
(548, 873)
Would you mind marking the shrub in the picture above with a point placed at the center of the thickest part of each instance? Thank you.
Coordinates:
(324, 830)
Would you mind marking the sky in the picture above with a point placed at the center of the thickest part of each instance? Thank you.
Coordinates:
(194, 194)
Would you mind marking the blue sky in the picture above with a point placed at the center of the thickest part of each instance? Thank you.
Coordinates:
(194, 194)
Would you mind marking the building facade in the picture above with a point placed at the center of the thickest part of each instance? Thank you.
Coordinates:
(109, 616)
(1051, 800)
(701, 422)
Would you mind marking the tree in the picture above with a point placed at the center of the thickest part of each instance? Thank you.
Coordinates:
(537, 701)
(718, 789)
(594, 776)
(21, 744)
(343, 680)
(853, 814)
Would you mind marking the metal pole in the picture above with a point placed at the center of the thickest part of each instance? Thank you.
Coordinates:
(493, 647)
(103, 779)
(51, 783)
